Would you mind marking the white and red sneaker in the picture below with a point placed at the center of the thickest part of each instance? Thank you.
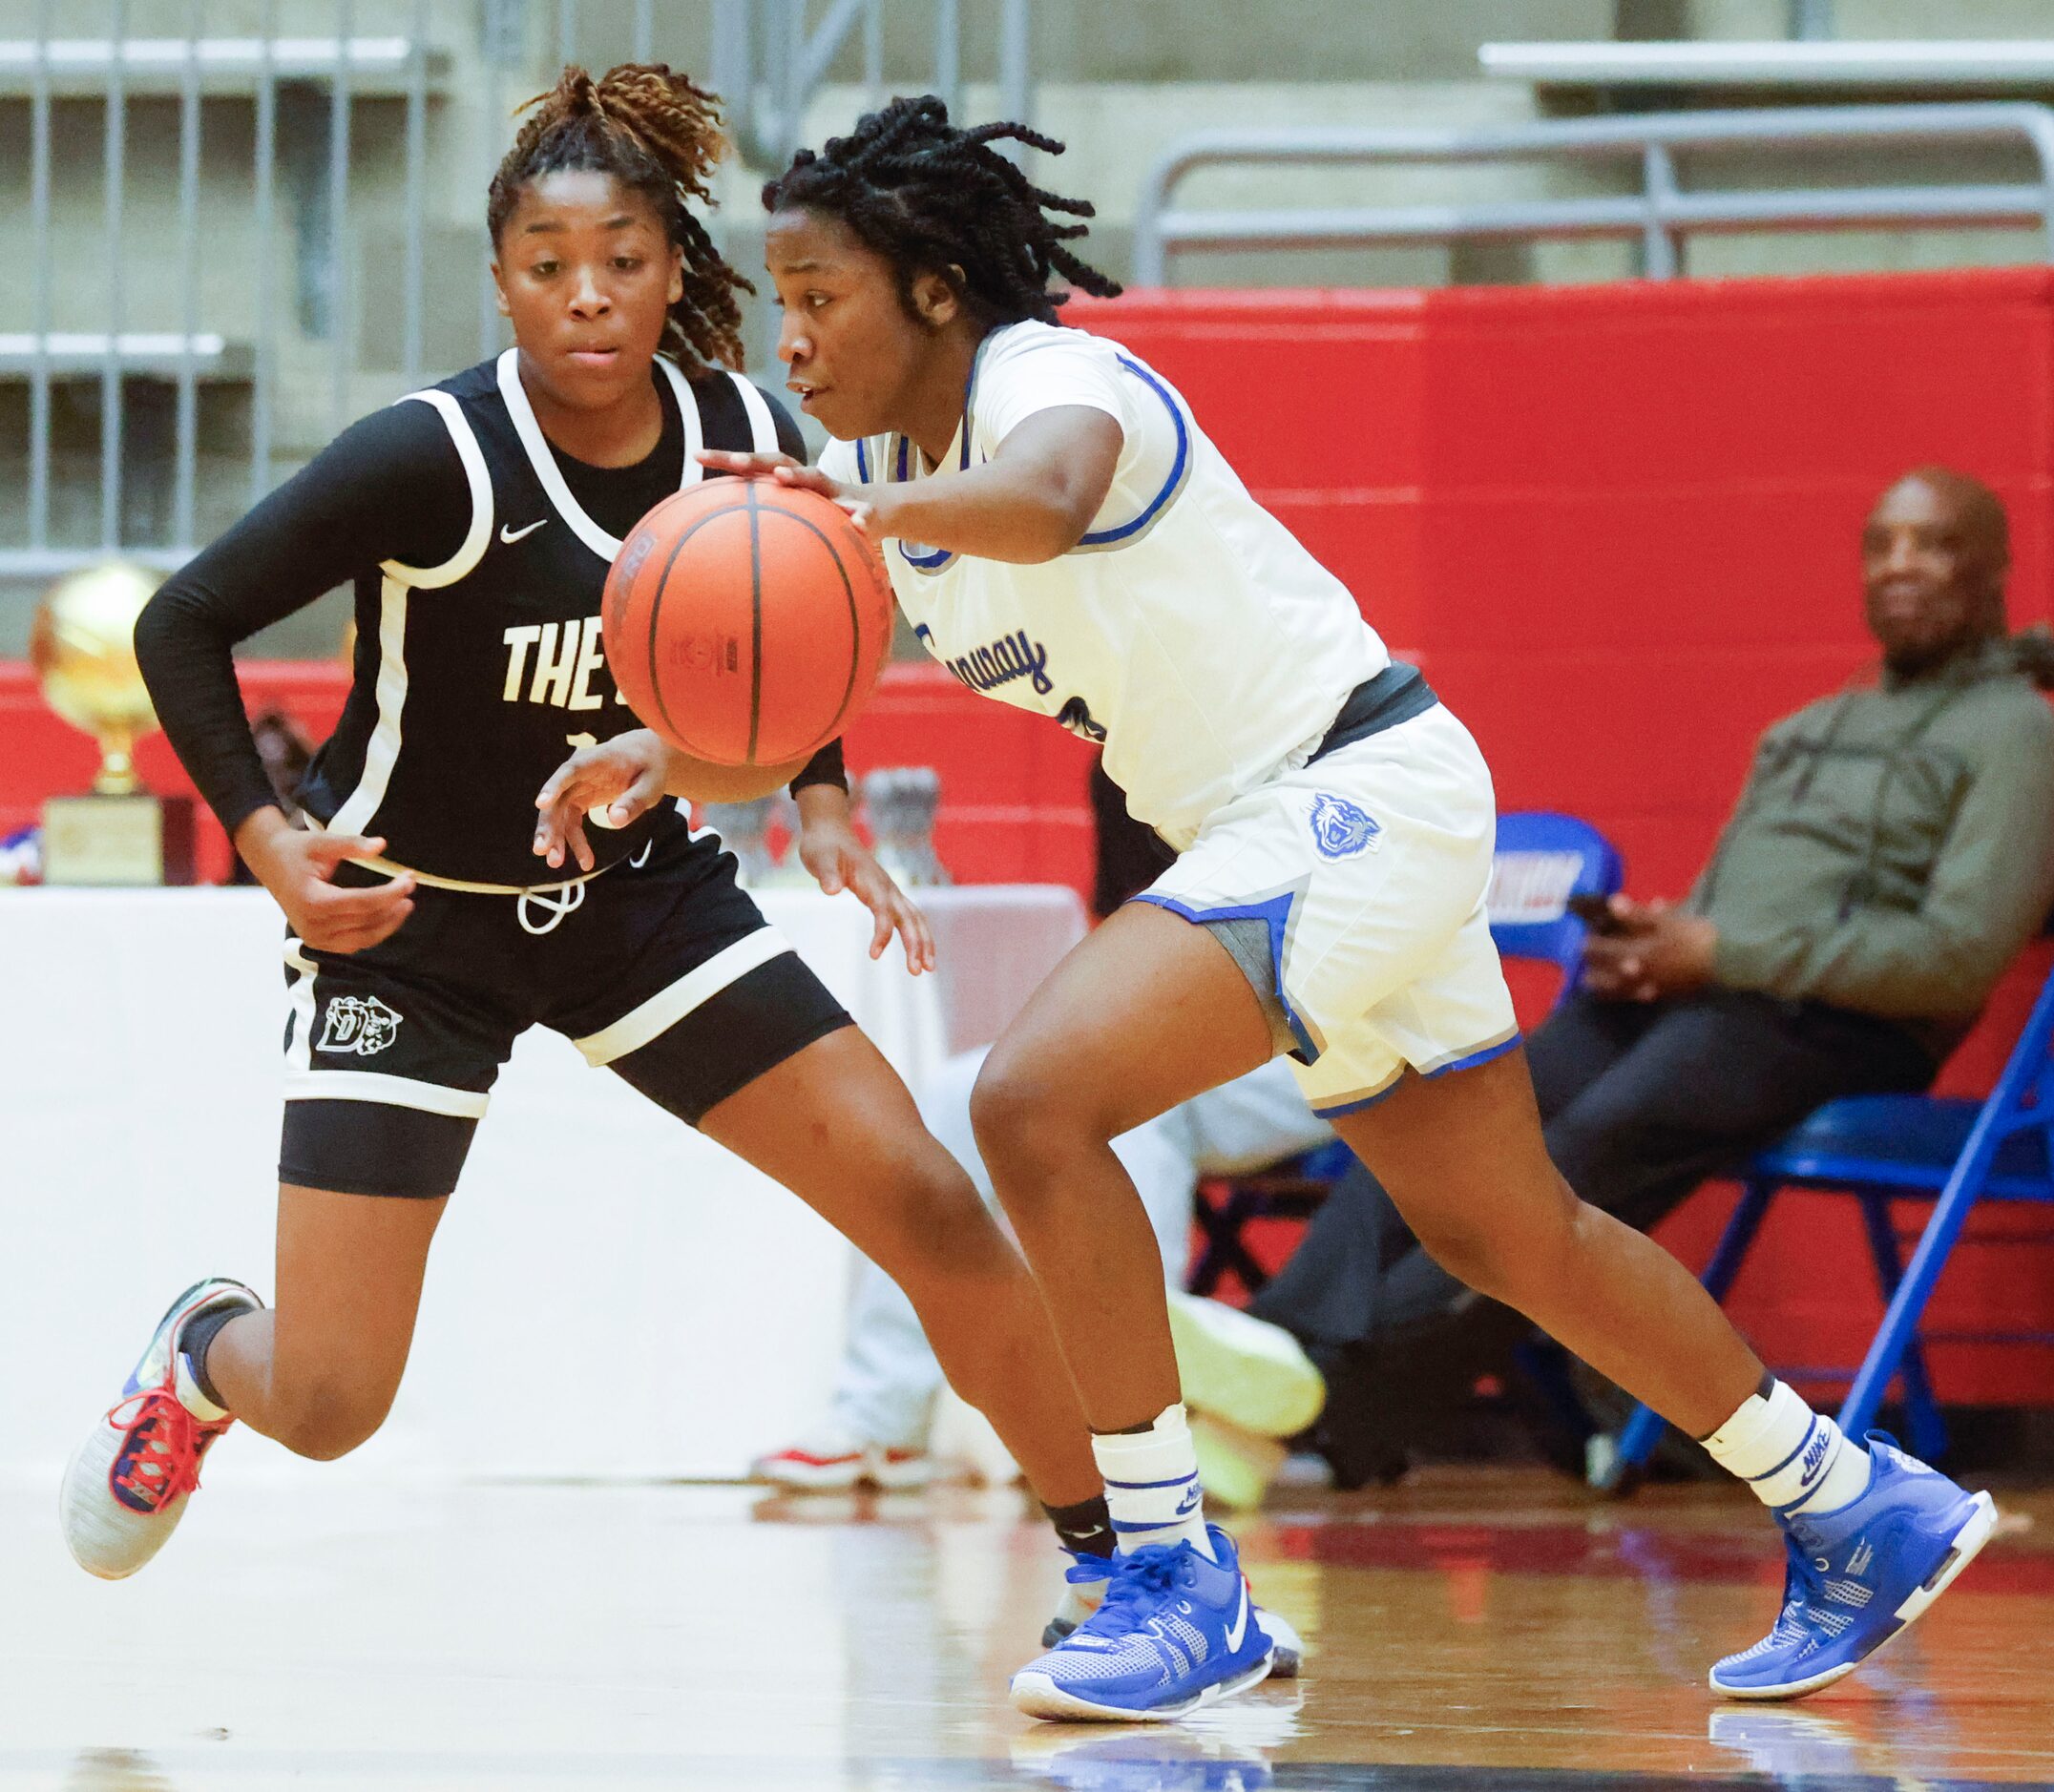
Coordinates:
(127, 1487)
(829, 1460)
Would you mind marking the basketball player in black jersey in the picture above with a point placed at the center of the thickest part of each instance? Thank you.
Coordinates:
(477, 521)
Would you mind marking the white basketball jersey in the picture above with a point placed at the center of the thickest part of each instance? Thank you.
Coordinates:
(1188, 631)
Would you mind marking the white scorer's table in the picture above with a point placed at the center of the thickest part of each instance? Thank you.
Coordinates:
(610, 1295)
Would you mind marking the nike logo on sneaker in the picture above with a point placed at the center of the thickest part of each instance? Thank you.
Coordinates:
(1239, 1626)
(511, 536)
(1857, 1564)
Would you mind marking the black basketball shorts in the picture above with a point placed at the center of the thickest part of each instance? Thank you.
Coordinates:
(664, 972)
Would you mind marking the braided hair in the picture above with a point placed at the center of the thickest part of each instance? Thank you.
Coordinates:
(932, 197)
(660, 136)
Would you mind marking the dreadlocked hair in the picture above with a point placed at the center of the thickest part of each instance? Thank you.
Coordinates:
(658, 135)
(932, 197)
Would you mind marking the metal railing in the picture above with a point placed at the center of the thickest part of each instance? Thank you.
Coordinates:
(769, 63)
(1911, 66)
(1659, 216)
(170, 375)
(115, 70)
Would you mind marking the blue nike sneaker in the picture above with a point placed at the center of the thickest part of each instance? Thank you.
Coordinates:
(1175, 1631)
(1859, 1576)
(1087, 1581)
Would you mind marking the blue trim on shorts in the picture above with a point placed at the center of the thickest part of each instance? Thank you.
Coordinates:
(1276, 915)
(1470, 1062)
(1475, 1058)
(1367, 1101)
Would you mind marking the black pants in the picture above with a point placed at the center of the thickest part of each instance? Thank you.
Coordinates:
(1639, 1103)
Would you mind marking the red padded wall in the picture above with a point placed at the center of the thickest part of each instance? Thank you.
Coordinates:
(1619, 524)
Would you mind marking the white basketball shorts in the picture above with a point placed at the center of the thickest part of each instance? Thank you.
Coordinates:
(1369, 868)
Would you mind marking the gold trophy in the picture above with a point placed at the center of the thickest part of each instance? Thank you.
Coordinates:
(83, 648)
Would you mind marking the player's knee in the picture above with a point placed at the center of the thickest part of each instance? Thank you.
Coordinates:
(1466, 1251)
(1026, 1119)
(1520, 1262)
(327, 1418)
(1001, 1112)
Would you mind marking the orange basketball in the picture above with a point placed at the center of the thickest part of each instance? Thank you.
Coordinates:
(746, 622)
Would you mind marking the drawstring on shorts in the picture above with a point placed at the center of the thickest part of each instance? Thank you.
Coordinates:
(566, 899)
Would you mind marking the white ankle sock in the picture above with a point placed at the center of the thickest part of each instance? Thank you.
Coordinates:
(1794, 1459)
(1151, 1483)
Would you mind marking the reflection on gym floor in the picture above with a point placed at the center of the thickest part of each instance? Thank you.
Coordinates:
(1477, 1629)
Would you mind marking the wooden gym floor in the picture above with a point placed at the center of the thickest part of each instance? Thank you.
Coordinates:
(1478, 1629)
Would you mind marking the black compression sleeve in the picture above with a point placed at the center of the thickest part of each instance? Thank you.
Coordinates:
(824, 767)
(389, 488)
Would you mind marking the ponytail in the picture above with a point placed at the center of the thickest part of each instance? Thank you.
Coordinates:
(658, 135)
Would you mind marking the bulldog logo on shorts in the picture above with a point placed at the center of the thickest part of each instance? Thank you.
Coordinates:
(1340, 830)
(360, 1024)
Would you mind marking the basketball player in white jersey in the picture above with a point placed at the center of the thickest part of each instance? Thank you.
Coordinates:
(1065, 538)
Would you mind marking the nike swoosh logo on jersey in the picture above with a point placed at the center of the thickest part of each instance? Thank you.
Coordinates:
(1239, 1626)
(511, 536)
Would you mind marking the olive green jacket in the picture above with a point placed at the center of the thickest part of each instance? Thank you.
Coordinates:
(1892, 848)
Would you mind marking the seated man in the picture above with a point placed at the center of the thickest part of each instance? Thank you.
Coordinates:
(1892, 851)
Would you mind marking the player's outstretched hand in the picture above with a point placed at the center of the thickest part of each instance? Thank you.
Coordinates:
(833, 852)
(297, 868)
(621, 779)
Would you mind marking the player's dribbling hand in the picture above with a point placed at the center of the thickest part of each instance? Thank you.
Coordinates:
(298, 866)
(781, 468)
(859, 501)
(830, 848)
(622, 778)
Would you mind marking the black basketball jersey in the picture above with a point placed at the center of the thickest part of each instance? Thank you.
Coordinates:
(475, 679)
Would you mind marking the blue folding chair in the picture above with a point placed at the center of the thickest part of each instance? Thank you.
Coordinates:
(1879, 1148)
(1542, 858)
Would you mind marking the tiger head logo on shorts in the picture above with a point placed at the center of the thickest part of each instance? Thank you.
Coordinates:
(360, 1024)
(1340, 830)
